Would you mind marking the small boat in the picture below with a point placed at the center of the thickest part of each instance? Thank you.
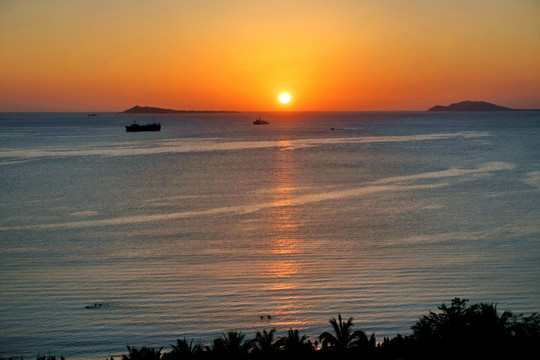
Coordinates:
(92, 114)
(260, 121)
(95, 306)
(148, 127)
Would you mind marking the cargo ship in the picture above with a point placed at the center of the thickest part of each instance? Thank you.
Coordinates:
(148, 127)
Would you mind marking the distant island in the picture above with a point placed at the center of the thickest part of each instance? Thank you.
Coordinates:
(471, 106)
(156, 110)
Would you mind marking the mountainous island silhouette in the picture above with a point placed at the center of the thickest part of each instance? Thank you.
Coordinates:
(155, 110)
(460, 106)
(471, 106)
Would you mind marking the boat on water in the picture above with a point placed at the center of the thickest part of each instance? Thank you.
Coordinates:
(148, 127)
(95, 306)
(260, 121)
(92, 114)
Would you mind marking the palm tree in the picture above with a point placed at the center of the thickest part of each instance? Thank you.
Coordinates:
(182, 350)
(343, 338)
(232, 343)
(264, 341)
(293, 343)
(145, 353)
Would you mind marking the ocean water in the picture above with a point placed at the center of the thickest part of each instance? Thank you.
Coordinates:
(213, 222)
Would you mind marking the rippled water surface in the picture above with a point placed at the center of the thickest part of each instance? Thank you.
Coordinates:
(213, 222)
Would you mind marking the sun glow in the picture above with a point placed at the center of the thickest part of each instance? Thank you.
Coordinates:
(284, 98)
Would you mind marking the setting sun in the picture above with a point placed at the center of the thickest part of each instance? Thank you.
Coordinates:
(284, 98)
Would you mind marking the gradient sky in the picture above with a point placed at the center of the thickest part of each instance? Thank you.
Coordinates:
(102, 55)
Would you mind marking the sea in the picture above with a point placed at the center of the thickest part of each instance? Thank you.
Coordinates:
(110, 239)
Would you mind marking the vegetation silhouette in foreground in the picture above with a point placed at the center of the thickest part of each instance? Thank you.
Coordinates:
(264, 342)
(293, 343)
(144, 353)
(457, 331)
(461, 332)
(343, 338)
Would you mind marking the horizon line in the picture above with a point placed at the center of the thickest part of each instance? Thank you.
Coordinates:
(180, 112)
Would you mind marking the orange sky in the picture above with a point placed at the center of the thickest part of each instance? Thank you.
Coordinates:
(101, 55)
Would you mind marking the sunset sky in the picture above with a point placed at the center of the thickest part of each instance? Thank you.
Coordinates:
(102, 55)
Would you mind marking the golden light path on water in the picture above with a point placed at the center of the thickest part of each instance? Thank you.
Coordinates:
(283, 272)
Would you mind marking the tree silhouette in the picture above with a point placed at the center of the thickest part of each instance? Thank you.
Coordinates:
(343, 338)
(144, 353)
(526, 327)
(293, 342)
(462, 331)
(182, 350)
(232, 343)
(264, 342)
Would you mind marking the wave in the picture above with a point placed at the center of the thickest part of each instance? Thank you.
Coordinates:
(210, 144)
(391, 184)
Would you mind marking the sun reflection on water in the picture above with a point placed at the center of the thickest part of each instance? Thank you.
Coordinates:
(285, 269)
